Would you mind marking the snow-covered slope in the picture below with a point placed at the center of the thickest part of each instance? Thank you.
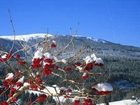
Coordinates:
(26, 37)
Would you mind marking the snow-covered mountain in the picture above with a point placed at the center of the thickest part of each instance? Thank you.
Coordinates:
(26, 37)
(99, 46)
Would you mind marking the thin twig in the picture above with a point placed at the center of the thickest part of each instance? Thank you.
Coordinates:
(13, 28)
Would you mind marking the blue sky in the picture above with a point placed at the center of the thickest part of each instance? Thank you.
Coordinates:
(113, 20)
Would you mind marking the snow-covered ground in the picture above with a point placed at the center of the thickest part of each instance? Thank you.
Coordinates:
(124, 102)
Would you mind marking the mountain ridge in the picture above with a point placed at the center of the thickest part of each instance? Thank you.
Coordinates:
(101, 47)
(26, 37)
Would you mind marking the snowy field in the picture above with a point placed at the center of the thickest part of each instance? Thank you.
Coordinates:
(124, 102)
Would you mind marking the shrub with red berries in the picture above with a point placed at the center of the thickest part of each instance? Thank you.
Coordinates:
(34, 76)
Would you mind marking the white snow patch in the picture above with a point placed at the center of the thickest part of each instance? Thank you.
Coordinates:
(99, 61)
(9, 76)
(90, 59)
(96, 40)
(103, 87)
(4, 56)
(21, 80)
(47, 90)
(38, 53)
